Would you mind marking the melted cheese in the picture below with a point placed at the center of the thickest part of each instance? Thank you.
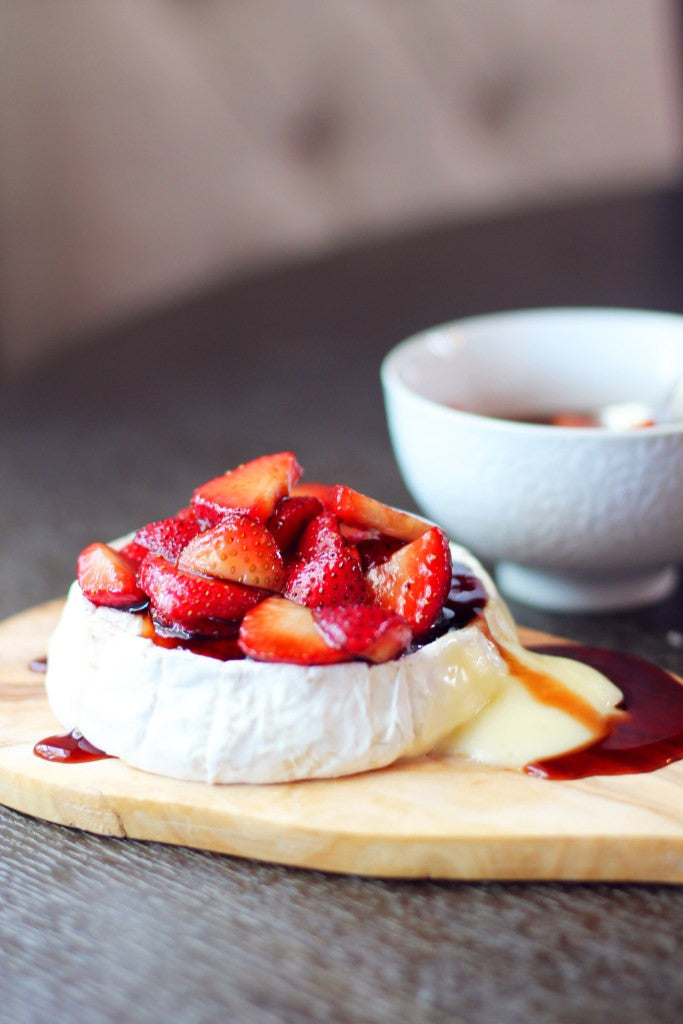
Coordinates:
(180, 714)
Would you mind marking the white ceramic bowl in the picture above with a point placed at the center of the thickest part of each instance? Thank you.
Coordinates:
(574, 519)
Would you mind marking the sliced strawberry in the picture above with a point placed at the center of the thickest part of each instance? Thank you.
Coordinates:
(108, 577)
(359, 510)
(363, 631)
(191, 602)
(134, 551)
(356, 534)
(415, 581)
(311, 489)
(280, 630)
(290, 517)
(168, 537)
(253, 488)
(374, 552)
(321, 535)
(238, 549)
(328, 569)
(326, 579)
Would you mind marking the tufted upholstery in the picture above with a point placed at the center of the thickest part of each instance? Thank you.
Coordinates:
(152, 144)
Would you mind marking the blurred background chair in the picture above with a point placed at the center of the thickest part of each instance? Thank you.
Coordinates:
(150, 147)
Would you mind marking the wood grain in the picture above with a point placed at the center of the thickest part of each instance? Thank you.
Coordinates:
(431, 817)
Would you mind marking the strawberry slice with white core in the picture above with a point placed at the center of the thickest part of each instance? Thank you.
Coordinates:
(290, 518)
(359, 534)
(360, 510)
(280, 630)
(328, 569)
(108, 577)
(238, 549)
(191, 602)
(364, 631)
(415, 581)
(253, 488)
(168, 537)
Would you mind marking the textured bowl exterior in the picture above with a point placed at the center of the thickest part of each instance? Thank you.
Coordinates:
(584, 501)
(547, 500)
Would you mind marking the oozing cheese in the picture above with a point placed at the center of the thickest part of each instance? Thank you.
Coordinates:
(177, 713)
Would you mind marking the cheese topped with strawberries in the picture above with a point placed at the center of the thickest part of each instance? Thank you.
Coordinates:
(273, 631)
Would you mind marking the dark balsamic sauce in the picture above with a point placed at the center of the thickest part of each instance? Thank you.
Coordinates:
(222, 648)
(648, 736)
(466, 599)
(71, 748)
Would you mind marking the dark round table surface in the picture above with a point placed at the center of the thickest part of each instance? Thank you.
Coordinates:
(116, 429)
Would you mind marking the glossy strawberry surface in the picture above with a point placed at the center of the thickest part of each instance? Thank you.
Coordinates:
(281, 630)
(108, 577)
(290, 518)
(308, 573)
(415, 581)
(360, 510)
(327, 569)
(363, 631)
(239, 549)
(254, 488)
(168, 537)
(190, 601)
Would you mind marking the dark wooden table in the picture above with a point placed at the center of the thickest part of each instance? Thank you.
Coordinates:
(117, 430)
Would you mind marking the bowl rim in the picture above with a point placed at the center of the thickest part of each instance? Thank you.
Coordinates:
(396, 357)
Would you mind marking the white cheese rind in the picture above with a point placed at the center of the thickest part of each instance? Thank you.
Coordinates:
(180, 714)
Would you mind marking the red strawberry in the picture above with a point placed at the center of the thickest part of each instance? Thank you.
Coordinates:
(194, 603)
(280, 630)
(168, 537)
(415, 581)
(359, 510)
(134, 551)
(253, 488)
(321, 535)
(323, 492)
(238, 549)
(326, 579)
(290, 517)
(328, 569)
(363, 631)
(107, 577)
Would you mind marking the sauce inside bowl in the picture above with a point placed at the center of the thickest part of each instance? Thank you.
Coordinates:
(565, 418)
(572, 418)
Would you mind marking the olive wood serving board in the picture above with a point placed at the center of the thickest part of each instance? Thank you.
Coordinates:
(427, 818)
